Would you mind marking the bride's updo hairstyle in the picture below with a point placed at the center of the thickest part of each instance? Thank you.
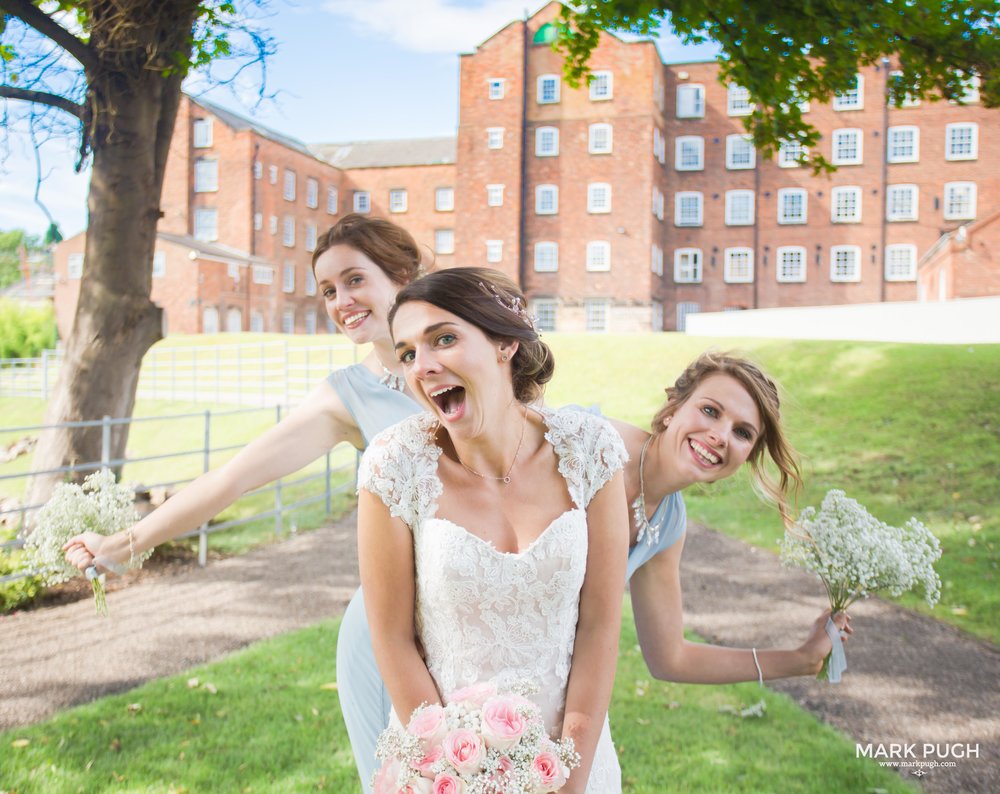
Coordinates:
(387, 245)
(764, 393)
(493, 303)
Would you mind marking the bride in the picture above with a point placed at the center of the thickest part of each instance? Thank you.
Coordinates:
(492, 535)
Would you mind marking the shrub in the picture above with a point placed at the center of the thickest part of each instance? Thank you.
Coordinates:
(20, 591)
(25, 331)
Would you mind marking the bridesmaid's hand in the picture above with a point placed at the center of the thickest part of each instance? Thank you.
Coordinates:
(817, 645)
(81, 550)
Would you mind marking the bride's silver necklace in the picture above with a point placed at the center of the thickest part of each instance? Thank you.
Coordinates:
(391, 380)
(649, 532)
(506, 478)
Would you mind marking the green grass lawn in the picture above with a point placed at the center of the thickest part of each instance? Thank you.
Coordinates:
(273, 724)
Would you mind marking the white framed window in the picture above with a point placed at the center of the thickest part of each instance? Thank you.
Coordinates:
(210, 320)
(901, 262)
(159, 264)
(903, 144)
(206, 224)
(790, 153)
(444, 241)
(689, 153)
(234, 320)
(494, 251)
(258, 221)
(272, 224)
(362, 201)
(74, 266)
(659, 146)
(598, 256)
(656, 321)
(258, 169)
(959, 201)
(311, 321)
(739, 207)
(687, 266)
(288, 232)
(495, 87)
(688, 209)
(599, 139)
(847, 146)
(201, 133)
(908, 100)
(398, 200)
(738, 266)
(256, 322)
(598, 197)
(288, 277)
(546, 141)
(311, 233)
(791, 264)
(845, 205)
(901, 202)
(262, 274)
(684, 308)
(793, 205)
(971, 93)
(494, 137)
(312, 193)
(332, 199)
(288, 321)
(546, 257)
(658, 203)
(310, 282)
(288, 186)
(444, 199)
(601, 85)
(544, 310)
(738, 101)
(494, 195)
(206, 175)
(845, 263)
(852, 98)
(272, 174)
(547, 89)
(961, 141)
(546, 200)
(690, 101)
(740, 152)
(595, 314)
(656, 260)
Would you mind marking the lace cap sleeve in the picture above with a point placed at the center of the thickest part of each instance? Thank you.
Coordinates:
(399, 467)
(589, 448)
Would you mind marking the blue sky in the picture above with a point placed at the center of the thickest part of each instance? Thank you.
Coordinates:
(345, 70)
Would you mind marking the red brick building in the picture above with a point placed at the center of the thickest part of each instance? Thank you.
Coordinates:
(964, 263)
(623, 205)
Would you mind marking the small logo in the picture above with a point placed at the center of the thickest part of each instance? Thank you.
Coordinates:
(919, 772)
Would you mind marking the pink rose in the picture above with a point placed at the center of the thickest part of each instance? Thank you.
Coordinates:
(465, 751)
(385, 778)
(423, 766)
(503, 726)
(428, 724)
(419, 786)
(448, 784)
(475, 695)
(552, 775)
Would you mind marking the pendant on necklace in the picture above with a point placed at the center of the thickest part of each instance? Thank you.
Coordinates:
(391, 380)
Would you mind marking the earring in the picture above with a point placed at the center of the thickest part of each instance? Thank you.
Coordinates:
(503, 357)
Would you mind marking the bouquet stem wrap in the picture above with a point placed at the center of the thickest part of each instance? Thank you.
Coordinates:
(834, 664)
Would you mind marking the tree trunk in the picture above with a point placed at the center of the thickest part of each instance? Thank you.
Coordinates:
(133, 114)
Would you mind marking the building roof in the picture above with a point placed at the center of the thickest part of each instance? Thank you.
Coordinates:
(221, 253)
(238, 122)
(383, 154)
(960, 235)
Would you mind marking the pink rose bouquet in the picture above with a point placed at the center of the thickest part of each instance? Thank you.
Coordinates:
(484, 740)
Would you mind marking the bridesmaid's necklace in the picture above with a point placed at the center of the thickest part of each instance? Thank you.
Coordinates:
(391, 380)
(651, 532)
(506, 478)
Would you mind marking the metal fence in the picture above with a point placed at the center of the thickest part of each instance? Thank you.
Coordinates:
(324, 491)
(266, 373)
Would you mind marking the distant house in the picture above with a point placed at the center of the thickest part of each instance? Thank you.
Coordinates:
(964, 263)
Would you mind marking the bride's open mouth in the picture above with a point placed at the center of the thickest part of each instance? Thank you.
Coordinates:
(450, 400)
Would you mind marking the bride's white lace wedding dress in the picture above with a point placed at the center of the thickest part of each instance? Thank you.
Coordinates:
(482, 614)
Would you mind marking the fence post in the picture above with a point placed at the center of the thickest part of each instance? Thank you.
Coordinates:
(206, 460)
(263, 391)
(287, 374)
(105, 441)
(218, 373)
(153, 366)
(277, 486)
(239, 376)
(45, 374)
(173, 373)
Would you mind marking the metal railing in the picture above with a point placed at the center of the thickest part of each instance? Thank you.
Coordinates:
(19, 514)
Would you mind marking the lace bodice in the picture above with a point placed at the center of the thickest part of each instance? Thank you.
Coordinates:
(483, 614)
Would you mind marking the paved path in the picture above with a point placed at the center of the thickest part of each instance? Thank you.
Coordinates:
(911, 680)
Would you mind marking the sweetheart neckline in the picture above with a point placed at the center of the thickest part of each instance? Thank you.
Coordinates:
(491, 545)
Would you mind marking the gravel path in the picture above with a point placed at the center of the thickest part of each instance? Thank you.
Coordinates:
(911, 680)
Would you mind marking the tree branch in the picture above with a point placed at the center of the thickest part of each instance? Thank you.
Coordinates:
(34, 17)
(42, 98)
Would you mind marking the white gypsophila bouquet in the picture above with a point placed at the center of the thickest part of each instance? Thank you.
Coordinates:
(99, 505)
(485, 740)
(855, 555)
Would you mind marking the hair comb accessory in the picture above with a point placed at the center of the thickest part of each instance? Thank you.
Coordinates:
(512, 304)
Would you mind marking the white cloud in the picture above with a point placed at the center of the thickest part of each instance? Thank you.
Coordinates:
(442, 26)
(64, 192)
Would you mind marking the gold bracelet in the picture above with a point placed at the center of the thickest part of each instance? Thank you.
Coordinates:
(131, 547)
